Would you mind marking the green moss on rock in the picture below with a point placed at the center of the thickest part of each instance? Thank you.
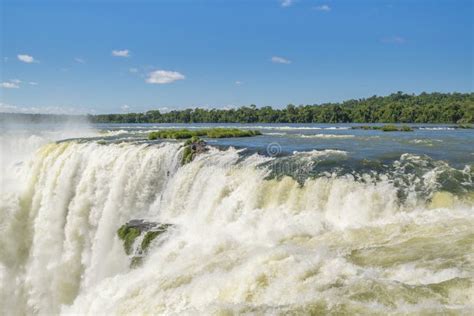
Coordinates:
(136, 261)
(152, 234)
(187, 155)
(128, 235)
(130, 231)
(149, 236)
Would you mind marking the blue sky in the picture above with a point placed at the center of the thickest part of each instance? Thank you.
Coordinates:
(131, 56)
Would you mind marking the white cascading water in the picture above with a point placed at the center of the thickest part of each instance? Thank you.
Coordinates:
(240, 243)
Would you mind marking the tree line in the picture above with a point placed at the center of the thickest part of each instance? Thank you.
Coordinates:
(395, 108)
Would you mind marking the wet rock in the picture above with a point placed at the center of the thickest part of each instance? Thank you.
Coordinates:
(192, 148)
(133, 229)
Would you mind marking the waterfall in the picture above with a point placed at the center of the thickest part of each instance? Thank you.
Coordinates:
(241, 241)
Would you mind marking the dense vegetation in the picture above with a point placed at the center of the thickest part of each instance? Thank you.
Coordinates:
(205, 132)
(386, 128)
(395, 108)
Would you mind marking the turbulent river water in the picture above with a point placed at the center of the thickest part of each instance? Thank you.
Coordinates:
(305, 219)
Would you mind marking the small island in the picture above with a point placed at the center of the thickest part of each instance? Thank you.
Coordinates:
(385, 128)
(206, 132)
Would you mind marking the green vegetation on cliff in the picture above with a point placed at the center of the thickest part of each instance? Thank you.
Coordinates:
(396, 108)
(130, 231)
(128, 236)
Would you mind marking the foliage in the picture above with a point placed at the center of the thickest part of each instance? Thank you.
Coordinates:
(386, 128)
(152, 234)
(192, 147)
(193, 139)
(187, 155)
(395, 108)
(149, 236)
(210, 132)
(389, 128)
(128, 236)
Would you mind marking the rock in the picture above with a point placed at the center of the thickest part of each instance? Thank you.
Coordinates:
(193, 147)
(133, 229)
(141, 225)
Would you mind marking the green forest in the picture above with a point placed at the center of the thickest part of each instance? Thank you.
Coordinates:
(395, 108)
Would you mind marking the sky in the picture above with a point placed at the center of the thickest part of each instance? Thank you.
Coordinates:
(121, 56)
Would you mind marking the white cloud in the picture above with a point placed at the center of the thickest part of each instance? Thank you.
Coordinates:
(286, 3)
(9, 85)
(79, 60)
(164, 109)
(121, 53)
(125, 108)
(238, 83)
(323, 7)
(133, 70)
(393, 40)
(26, 58)
(280, 60)
(164, 76)
(15, 84)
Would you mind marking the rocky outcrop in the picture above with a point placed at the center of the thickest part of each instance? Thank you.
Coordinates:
(133, 229)
(193, 147)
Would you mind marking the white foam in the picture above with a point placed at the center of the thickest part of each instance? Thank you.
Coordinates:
(437, 128)
(321, 153)
(327, 136)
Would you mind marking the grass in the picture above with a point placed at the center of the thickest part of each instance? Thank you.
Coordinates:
(386, 128)
(207, 132)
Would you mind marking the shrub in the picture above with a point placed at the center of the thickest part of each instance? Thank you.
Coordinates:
(187, 155)
(389, 128)
(193, 139)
